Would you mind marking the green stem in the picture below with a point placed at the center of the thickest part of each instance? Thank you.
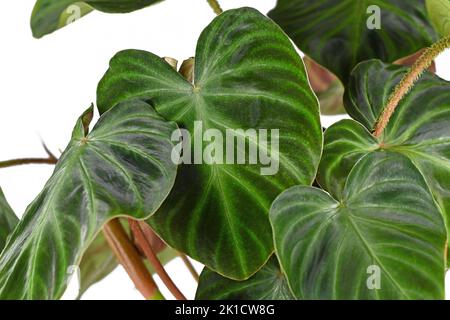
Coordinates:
(215, 6)
(408, 81)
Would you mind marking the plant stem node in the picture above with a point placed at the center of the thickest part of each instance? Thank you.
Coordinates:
(195, 89)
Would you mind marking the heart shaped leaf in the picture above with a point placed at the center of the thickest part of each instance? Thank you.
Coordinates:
(339, 34)
(439, 12)
(269, 283)
(419, 128)
(8, 220)
(383, 239)
(51, 15)
(123, 167)
(248, 77)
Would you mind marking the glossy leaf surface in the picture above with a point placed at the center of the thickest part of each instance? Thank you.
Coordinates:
(339, 34)
(247, 76)
(122, 167)
(269, 283)
(419, 128)
(51, 15)
(383, 239)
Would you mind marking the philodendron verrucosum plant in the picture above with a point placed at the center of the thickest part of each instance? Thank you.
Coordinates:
(225, 160)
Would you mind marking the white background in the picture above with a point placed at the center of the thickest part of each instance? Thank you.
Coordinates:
(46, 84)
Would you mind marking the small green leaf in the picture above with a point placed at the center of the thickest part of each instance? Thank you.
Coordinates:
(383, 239)
(8, 220)
(439, 12)
(123, 167)
(419, 129)
(51, 15)
(269, 283)
(336, 33)
(247, 76)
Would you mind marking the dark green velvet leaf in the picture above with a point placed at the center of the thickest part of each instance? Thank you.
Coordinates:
(384, 238)
(123, 167)
(269, 283)
(418, 129)
(247, 76)
(51, 15)
(335, 33)
(8, 220)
